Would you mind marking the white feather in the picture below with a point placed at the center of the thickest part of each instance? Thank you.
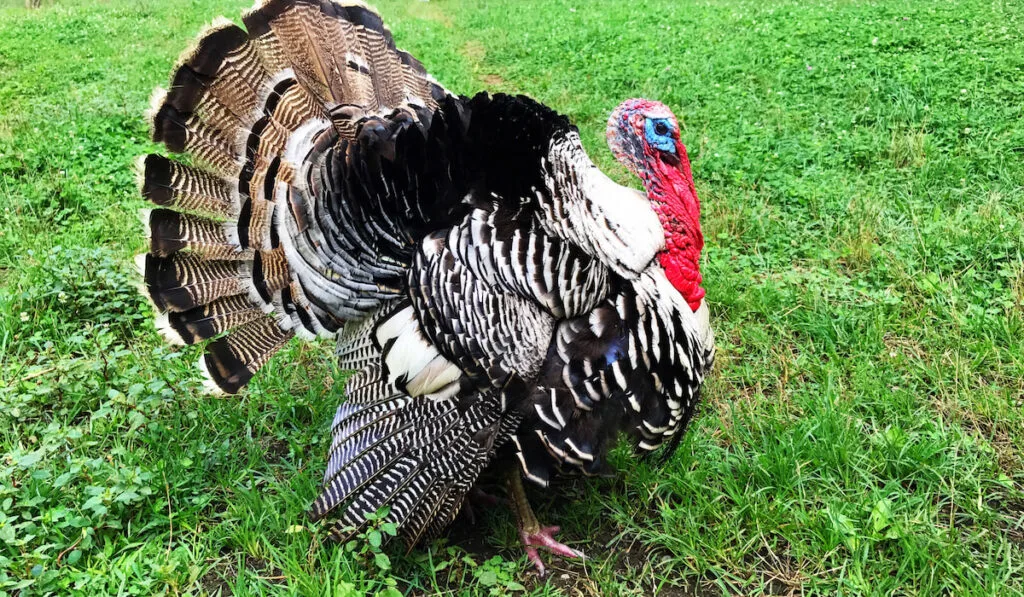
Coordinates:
(155, 101)
(395, 325)
(440, 373)
(522, 465)
(144, 215)
(408, 357)
(584, 455)
(446, 393)
(614, 223)
(209, 386)
(557, 411)
(140, 172)
(411, 356)
(544, 417)
(170, 335)
(702, 324)
(140, 265)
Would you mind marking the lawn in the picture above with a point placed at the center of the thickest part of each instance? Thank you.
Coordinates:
(861, 167)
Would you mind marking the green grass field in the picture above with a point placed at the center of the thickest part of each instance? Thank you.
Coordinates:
(861, 167)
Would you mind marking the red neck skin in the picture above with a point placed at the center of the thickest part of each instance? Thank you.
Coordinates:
(674, 198)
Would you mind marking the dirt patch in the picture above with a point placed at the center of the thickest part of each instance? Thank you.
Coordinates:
(997, 433)
(429, 11)
(1013, 524)
(781, 574)
(617, 559)
(219, 578)
(492, 80)
(265, 570)
(214, 582)
(476, 53)
(612, 555)
(274, 450)
(903, 345)
(465, 534)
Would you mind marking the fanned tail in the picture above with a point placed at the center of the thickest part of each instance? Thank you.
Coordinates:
(253, 108)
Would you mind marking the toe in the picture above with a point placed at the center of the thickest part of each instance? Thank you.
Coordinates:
(545, 538)
(534, 557)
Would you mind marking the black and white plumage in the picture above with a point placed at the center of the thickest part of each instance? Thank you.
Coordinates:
(501, 299)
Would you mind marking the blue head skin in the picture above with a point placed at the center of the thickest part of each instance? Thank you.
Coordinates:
(660, 134)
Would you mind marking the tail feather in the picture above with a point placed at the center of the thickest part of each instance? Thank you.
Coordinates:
(269, 274)
(185, 281)
(232, 360)
(341, 53)
(254, 108)
(170, 232)
(237, 257)
(212, 319)
(182, 188)
(185, 133)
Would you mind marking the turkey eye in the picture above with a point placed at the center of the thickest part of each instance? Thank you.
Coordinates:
(661, 128)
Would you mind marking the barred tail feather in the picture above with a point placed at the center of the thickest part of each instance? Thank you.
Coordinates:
(183, 188)
(210, 320)
(184, 281)
(232, 360)
(341, 53)
(170, 232)
(250, 106)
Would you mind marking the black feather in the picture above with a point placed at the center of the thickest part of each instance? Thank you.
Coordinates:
(226, 369)
(156, 185)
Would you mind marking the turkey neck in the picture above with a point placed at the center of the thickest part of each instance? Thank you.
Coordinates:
(669, 186)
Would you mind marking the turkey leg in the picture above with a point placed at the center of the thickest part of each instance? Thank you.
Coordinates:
(530, 532)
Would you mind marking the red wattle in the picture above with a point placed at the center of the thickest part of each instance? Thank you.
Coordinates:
(684, 276)
(674, 199)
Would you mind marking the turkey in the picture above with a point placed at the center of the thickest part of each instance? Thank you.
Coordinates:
(502, 302)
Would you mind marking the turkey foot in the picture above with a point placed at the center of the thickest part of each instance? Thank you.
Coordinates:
(545, 537)
(530, 532)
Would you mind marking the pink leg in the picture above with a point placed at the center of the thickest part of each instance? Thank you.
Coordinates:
(530, 532)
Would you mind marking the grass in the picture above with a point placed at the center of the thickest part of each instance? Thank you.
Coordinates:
(861, 166)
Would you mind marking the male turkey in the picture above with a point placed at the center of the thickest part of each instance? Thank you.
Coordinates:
(503, 302)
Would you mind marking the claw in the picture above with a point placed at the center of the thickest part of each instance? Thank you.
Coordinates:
(545, 538)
